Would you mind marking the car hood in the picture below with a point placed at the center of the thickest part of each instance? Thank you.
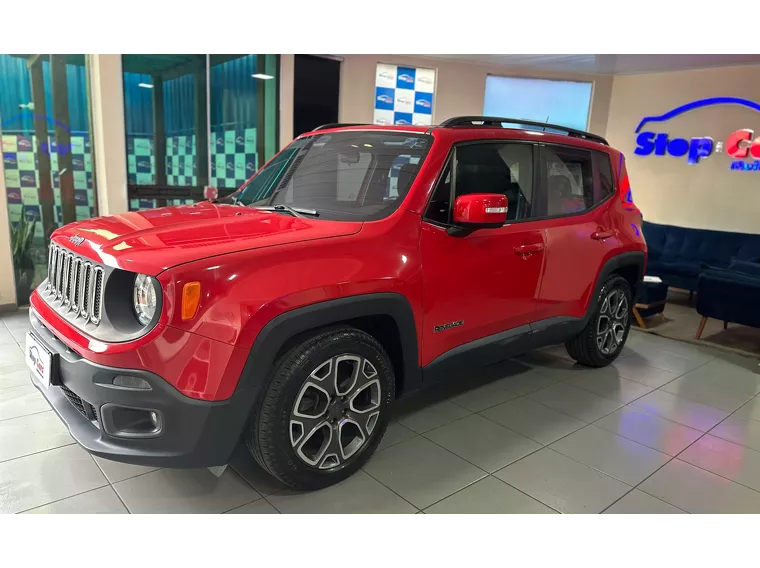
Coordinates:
(153, 240)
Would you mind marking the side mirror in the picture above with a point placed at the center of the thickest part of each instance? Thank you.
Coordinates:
(480, 210)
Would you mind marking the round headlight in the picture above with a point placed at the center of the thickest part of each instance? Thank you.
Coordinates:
(144, 296)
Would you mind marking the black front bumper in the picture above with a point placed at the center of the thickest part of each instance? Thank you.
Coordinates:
(194, 433)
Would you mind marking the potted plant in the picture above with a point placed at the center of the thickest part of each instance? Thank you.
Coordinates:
(22, 236)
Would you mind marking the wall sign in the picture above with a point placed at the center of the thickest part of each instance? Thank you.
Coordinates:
(740, 145)
(404, 95)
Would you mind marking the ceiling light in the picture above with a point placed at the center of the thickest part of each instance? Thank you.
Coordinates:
(261, 76)
(145, 85)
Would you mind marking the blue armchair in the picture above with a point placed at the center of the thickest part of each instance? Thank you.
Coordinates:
(731, 295)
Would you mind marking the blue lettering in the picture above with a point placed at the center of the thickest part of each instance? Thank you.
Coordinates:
(699, 148)
(644, 144)
(660, 144)
(678, 147)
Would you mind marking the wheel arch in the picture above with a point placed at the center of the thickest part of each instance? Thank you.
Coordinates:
(630, 265)
(387, 316)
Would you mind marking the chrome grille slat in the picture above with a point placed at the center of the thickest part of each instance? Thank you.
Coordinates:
(75, 286)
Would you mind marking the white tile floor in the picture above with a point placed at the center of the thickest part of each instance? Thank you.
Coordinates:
(669, 428)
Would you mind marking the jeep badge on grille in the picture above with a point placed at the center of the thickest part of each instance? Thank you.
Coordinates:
(77, 240)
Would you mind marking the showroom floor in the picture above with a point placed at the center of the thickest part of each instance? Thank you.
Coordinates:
(669, 428)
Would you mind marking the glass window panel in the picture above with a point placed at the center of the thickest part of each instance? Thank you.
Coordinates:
(47, 156)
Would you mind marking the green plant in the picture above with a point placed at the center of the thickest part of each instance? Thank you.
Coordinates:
(22, 236)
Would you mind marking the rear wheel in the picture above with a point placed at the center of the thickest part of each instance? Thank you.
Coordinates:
(325, 410)
(603, 338)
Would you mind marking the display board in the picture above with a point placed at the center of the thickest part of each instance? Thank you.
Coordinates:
(22, 181)
(404, 95)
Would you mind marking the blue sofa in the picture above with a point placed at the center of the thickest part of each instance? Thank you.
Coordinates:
(731, 295)
(678, 255)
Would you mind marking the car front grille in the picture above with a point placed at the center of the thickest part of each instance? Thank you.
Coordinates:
(74, 286)
(87, 410)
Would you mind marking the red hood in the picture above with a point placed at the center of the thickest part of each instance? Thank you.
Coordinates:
(156, 239)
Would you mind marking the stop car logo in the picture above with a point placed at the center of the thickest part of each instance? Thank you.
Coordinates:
(740, 145)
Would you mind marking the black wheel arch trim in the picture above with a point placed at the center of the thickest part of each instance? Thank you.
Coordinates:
(287, 325)
(622, 260)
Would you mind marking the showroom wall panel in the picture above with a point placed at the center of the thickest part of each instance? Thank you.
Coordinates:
(669, 190)
(460, 86)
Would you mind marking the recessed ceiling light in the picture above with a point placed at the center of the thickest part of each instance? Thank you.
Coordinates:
(145, 85)
(261, 76)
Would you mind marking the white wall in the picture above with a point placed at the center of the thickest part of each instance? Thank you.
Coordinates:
(667, 189)
(460, 87)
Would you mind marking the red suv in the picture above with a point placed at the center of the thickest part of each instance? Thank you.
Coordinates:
(359, 264)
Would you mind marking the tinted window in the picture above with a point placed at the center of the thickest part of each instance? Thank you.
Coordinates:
(351, 175)
(569, 180)
(606, 183)
(488, 168)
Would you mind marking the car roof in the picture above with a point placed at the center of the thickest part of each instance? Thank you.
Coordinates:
(464, 133)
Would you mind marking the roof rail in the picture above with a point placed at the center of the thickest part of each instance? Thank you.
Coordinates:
(496, 121)
(337, 125)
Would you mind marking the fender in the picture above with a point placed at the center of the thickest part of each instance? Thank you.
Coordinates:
(632, 258)
(287, 325)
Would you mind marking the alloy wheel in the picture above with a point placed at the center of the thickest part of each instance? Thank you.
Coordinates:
(612, 322)
(335, 411)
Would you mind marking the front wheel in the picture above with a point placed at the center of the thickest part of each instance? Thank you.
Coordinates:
(325, 409)
(602, 340)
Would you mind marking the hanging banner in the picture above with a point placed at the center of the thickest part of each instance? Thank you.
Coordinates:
(404, 95)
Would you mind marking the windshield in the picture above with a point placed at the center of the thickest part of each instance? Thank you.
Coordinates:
(344, 176)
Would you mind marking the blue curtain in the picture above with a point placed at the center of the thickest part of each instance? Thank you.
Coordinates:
(16, 89)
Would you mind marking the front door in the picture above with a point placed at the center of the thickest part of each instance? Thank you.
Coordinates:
(482, 288)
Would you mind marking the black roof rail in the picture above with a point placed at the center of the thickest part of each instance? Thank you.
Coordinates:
(497, 121)
(337, 125)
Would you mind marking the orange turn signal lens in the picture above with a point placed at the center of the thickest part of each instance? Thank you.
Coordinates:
(191, 297)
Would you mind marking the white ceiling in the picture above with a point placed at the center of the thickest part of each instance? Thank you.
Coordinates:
(609, 64)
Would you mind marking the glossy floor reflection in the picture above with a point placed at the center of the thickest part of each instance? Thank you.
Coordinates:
(669, 428)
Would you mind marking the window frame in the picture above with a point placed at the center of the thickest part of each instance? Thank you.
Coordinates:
(451, 161)
(544, 178)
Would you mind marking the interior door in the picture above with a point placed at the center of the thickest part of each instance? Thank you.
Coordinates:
(483, 286)
(316, 92)
(579, 237)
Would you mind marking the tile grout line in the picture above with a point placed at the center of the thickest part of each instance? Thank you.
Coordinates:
(676, 457)
(62, 499)
(129, 511)
(38, 452)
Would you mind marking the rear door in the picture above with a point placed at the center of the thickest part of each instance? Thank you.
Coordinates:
(576, 186)
(483, 284)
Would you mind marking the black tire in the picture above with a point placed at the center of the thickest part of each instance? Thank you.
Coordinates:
(584, 347)
(271, 431)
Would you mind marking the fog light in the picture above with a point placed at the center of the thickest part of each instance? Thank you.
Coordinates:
(126, 422)
(128, 382)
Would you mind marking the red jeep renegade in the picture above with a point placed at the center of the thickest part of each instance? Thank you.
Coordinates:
(359, 264)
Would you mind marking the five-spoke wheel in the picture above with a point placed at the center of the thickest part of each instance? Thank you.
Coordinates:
(612, 322)
(325, 408)
(336, 411)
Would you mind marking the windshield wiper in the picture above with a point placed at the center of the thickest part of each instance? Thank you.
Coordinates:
(295, 211)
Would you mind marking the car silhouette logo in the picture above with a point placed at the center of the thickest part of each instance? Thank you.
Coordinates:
(386, 75)
(403, 100)
(239, 140)
(427, 80)
(381, 121)
(385, 99)
(401, 121)
(24, 143)
(423, 103)
(28, 179)
(406, 78)
(9, 161)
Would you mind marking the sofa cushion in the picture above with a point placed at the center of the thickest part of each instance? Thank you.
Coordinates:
(659, 267)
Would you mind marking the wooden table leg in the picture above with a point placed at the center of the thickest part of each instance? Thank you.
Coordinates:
(639, 319)
(701, 326)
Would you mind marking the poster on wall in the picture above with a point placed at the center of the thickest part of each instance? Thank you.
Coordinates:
(404, 95)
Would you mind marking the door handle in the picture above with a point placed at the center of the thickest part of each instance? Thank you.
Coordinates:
(529, 249)
(602, 234)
